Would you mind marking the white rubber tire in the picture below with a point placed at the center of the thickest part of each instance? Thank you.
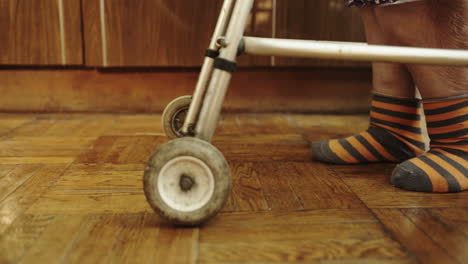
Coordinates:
(172, 114)
(205, 166)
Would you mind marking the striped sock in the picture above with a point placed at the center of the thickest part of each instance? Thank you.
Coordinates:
(445, 167)
(394, 135)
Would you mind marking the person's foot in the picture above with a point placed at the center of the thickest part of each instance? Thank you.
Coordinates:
(445, 167)
(394, 135)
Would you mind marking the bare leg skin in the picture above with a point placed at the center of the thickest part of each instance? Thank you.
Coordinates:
(389, 79)
(432, 24)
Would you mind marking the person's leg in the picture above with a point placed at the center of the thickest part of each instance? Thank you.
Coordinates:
(395, 130)
(435, 24)
(431, 24)
(390, 79)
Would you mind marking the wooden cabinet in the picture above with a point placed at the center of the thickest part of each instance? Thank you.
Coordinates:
(147, 32)
(158, 33)
(176, 33)
(40, 32)
(318, 20)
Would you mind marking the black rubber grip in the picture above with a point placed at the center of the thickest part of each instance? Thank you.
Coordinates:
(225, 65)
(212, 53)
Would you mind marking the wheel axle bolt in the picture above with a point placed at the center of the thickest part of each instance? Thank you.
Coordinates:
(186, 183)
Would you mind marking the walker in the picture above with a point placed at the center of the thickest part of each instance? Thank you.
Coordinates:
(187, 181)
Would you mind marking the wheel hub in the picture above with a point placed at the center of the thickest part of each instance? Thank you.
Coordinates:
(179, 119)
(186, 183)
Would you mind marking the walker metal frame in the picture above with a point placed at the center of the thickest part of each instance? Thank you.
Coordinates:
(220, 62)
(228, 37)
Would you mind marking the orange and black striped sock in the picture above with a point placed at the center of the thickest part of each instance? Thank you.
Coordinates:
(445, 167)
(394, 135)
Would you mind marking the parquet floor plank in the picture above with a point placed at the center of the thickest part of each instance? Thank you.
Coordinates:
(52, 246)
(264, 148)
(71, 192)
(121, 149)
(412, 237)
(445, 235)
(19, 201)
(9, 122)
(371, 183)
(456, 218)
(318, 187)
(20, 237)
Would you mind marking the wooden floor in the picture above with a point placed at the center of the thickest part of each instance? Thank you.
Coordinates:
(71, 192)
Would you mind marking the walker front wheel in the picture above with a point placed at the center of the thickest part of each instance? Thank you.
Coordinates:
(174, 115)
(187, 181)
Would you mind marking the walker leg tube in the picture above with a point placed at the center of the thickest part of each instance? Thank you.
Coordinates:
(221, 77)
(207, 69)
(211, 108)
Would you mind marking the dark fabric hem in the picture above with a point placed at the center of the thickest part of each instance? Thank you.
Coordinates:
(362, 3)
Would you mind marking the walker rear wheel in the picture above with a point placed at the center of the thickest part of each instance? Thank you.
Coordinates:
(174, 115)
(187, 181)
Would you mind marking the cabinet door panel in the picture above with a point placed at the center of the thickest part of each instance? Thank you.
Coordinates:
(260, 24)
(318, 20)
(158, 32)
(174, 33)
(40, 32)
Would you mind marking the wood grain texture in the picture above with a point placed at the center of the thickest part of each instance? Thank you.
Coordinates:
(298, 251)
(327, 20)
(307, 90)
(254, 124)
(158, 33)
(284, 208)
(53, 246)
(33, 32)
(146, 92)
(260, 24)
(10, 122)
(321, 127)
(70, 127)
(21, 236)
(284, 217)
(121, 149)
(17, 202)
(447, 236)
(43, 147)
(14, 176)
(453, 217)
(274, 147)
(247, 194)
(413, 238)
(150, 33)
(110, 177)
(277, 187)
(73, 32)
(318, 187)
(92, 33)
(404, 260)
(92, 202)
(162, 244)
(276, 242)
(175, 33)
(371, 183)
(286, 232)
